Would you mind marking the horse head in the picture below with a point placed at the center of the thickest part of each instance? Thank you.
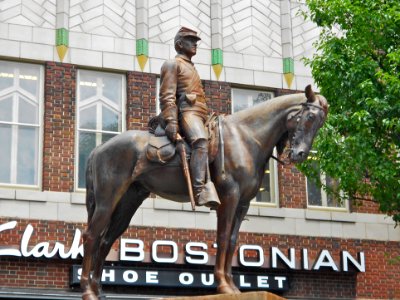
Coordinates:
(304, 123)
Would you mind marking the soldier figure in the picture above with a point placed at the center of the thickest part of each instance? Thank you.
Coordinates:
(184, 109)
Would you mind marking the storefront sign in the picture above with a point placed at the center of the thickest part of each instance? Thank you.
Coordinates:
(42, 249)
(127, 276)
(193, 253)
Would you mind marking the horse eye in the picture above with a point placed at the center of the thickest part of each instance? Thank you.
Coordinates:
(310, 117)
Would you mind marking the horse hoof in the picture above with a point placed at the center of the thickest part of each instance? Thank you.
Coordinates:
(225, 289)
(94, 287)
(236, 290)
(89, 295)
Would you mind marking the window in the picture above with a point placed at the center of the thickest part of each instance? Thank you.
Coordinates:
(21, 115)
(100, 113)
(242, 99)
(318, 198)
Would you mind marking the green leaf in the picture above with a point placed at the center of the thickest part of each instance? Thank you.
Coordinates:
(358, 71)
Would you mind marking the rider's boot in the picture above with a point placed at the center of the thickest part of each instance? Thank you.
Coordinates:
(204, 193)
(208, 196)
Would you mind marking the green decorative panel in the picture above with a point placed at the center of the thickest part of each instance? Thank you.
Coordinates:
(62, 37)
(142, 47)
(288, 65)
(217, 57)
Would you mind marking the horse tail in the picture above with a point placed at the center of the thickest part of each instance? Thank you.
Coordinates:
(90, 198)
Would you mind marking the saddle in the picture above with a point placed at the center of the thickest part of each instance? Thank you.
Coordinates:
(161, 150)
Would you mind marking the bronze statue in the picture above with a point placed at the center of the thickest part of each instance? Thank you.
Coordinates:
(119, 177)
(183, 108)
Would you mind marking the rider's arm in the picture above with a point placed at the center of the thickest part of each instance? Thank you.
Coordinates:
(169, 109)
(168, 85)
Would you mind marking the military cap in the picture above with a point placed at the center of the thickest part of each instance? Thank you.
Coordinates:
(185, 32)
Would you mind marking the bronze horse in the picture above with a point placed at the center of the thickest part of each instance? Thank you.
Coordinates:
(119, 178)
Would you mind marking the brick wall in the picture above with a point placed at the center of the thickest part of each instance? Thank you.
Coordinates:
(292, 187)
(364, 206)
(218, 95)
(141, 99)
(26, 273)
(380, 281)
(59, 127)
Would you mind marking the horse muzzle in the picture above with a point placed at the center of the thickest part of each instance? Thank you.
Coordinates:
(298, 155)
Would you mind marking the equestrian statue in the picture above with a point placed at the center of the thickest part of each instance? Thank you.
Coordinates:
(217, 162)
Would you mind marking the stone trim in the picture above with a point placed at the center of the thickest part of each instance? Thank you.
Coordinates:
(64, 206)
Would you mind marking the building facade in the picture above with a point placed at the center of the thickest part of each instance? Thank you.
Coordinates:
(75, 73)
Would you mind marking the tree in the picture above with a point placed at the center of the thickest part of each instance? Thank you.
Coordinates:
(357, 68)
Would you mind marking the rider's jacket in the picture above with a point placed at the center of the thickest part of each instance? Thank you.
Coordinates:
(180, 88)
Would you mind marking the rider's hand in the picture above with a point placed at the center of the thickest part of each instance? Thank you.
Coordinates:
(172, 130)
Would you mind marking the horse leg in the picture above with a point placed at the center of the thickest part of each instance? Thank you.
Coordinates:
(91, 241)
(241, 212)
(87, 236)
(106, 198)
(226, 214)
(120, 220)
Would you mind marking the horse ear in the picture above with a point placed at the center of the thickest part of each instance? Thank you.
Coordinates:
(310, 94)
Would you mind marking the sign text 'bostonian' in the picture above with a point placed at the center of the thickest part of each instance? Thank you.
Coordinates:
(193, 253)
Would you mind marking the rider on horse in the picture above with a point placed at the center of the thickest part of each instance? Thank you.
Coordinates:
(184, 109)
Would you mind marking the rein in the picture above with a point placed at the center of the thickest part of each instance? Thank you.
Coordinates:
(300, 112)
(221, 146)
(278, 160)
(304, 106)
(313, 105)
(307, 104)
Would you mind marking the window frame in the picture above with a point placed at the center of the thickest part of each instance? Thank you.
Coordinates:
(273, 181)
(324, 197)
(273, 166)
(158, 108)
(39, 125)
(77, 120)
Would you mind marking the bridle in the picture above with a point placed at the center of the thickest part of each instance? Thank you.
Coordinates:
(304, 105)
(298, 116)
